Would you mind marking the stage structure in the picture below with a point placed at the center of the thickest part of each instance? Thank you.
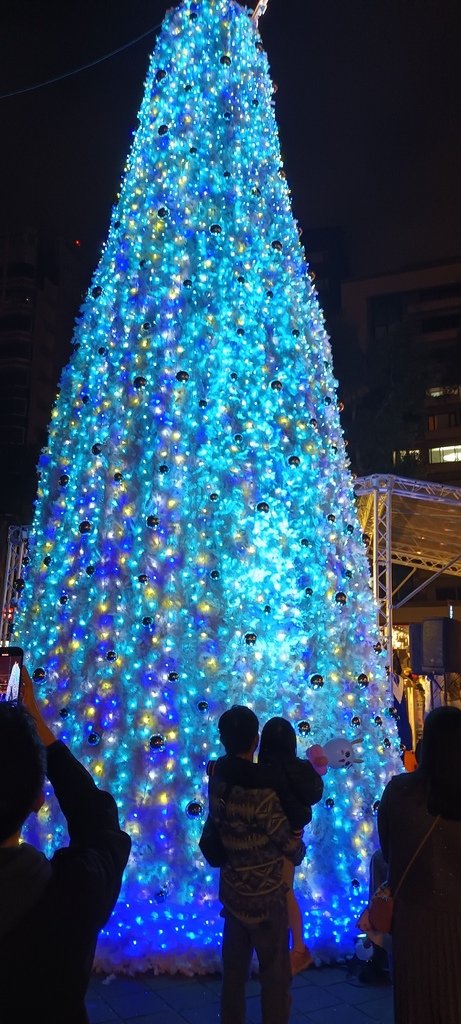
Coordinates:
(413, 523)
(195, 541)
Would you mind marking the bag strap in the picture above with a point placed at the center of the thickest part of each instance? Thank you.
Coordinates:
(425, 837)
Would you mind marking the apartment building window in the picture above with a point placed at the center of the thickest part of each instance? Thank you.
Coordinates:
(12, 407)
(385, 316)
(443, 420)
(441, 291)
(15, 322)
(407, 456)
(19, 295)
(21, 270)
(441, 322)
(14, 349)
(441, 391)
(445, 453)
(13, 377)
(10, 434)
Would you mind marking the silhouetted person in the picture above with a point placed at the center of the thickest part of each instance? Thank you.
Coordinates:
(426, 932)
(257, 836)
(51, 911)
(278, 748)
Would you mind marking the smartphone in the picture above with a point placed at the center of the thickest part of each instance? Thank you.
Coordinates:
(10, 674)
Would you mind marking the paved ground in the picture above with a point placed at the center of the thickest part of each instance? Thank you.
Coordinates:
(321, 995)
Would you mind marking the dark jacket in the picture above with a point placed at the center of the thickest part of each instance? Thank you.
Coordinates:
(256, 835)
(426, 923)
(51, 911)
(297, 784)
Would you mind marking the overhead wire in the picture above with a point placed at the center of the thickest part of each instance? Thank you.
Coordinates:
(78, 70)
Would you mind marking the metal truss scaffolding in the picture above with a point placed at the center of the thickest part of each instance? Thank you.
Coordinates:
(17, 548)
(414, 523)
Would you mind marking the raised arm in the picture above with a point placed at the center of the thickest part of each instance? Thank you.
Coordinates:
(90, 812)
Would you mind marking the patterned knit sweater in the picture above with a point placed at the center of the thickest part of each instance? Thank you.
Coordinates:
(257, 836)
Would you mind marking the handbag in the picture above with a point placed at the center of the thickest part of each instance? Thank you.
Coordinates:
(210, 841)
(381, 909)
(378, 915)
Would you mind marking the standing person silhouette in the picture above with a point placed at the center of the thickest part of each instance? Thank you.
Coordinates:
(51, 910)
(256, 835)
(302, 788)
(426, 927)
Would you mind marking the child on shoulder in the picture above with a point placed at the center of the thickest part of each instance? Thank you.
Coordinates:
(301, 788)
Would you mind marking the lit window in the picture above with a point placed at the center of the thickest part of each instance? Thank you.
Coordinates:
(449, 453)
(407, 455)
(451, 391)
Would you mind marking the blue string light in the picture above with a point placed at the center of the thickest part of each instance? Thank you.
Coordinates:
(196, 509)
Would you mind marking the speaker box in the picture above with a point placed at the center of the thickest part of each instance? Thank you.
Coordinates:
(416, 647)
(440, 646)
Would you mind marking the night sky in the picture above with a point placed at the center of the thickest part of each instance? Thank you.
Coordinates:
(368, 106)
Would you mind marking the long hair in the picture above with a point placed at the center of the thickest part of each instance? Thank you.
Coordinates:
(441, 761)
(278, 742)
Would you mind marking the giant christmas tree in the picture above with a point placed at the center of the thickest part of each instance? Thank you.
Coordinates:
(195, 540)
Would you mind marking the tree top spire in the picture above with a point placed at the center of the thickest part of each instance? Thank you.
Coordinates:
(260, 9)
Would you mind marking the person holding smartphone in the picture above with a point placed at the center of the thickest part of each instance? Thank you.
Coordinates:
(51, 910)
